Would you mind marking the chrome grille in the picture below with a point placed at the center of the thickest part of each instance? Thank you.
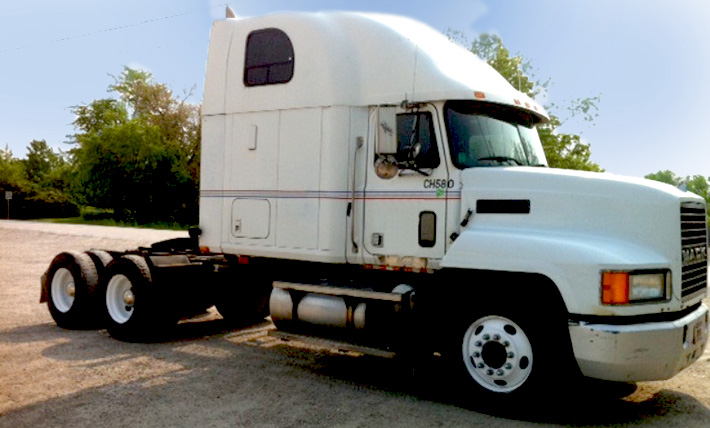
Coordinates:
(694, 243)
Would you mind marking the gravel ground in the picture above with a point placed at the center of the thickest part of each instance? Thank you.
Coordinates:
(210, 376)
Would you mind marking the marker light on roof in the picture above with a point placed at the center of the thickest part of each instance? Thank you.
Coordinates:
(479, 95)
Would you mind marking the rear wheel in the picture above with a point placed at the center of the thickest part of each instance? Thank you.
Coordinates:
(243, 297)
(71, 284)
(135, 311)
(101, 261)
(120, 298)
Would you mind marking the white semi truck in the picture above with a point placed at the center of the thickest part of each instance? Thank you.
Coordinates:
(365, 180)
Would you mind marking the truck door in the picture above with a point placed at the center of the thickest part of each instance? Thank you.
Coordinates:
(405, 192)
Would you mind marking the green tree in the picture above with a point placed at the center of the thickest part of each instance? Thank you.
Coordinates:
(49, 176)
(35, 194)
(665, 176)
(61, 175)
(562, 150)
(99, 114)
(155, 104)
(40, 161)
(697, 184)
(12, 171)
(139, 155)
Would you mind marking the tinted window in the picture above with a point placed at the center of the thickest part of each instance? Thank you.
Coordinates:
(417, 128)
(269, 58)
(482, 134)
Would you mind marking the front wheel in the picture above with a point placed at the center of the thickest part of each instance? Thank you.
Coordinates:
(497, 354)
(516, 353)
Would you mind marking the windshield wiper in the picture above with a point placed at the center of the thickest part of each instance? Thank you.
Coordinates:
(501, 159)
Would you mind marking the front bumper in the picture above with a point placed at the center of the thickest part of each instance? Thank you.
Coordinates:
(640, 352)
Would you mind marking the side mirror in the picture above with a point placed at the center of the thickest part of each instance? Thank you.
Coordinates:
(415, 151)
(386, 130)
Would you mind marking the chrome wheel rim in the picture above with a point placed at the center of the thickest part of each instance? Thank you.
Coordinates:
(497, 353)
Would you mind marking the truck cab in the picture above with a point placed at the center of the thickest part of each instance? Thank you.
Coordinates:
(364, 140)
(373, 183)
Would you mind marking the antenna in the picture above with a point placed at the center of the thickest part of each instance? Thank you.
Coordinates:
(230, 13)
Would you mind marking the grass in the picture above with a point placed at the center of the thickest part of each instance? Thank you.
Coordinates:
(103, 217)
(111, 222)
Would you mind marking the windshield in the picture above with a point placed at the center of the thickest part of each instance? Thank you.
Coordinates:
(482, 134)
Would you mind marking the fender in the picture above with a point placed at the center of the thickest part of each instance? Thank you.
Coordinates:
(573, 262)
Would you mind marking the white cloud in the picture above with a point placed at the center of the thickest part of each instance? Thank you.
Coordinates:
(476, 10)
(466, 19)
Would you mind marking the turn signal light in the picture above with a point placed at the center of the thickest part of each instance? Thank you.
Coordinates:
(641, 286)
(615, 288)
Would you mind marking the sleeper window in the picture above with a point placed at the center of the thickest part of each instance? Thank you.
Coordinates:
(269, 58)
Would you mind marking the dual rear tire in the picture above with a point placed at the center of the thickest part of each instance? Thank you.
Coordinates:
(71, 287)
(135, 310)
(92, 290)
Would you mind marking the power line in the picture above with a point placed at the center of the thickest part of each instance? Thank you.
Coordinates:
(122, 27)
(143, 48)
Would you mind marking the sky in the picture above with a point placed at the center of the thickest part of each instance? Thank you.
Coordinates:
(649, 60)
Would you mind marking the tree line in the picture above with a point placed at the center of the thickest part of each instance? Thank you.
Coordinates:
(697, 184)
(135, 157)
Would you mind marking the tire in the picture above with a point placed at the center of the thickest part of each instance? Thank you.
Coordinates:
(515, 354)
(134, 309)
(101, 261)
(243, 300)
(72, 291)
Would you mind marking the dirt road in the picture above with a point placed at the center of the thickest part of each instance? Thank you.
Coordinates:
(209, 376)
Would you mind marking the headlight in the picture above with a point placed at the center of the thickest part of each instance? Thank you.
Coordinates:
(647, 286)
(619, 288)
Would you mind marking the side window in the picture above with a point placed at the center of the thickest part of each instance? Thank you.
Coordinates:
(417, 128)
(269, 58)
